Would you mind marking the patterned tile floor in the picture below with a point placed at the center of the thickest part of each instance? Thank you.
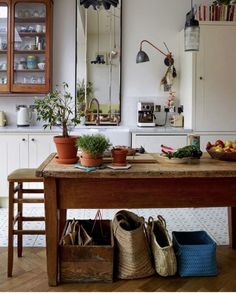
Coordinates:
(212, 220)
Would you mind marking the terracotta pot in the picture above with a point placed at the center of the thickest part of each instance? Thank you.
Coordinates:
(66, 149)
(119, 156)
(89, 160)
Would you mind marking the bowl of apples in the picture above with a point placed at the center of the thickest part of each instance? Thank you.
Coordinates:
(225, 151)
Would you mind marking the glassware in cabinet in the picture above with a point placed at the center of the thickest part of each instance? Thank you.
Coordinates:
(4, 47)
(31, 31)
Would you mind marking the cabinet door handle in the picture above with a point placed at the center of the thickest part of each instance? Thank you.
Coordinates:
(23, 139)
(201, 78)
(32, 139)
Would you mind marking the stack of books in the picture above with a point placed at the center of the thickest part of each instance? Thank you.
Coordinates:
(216, 12)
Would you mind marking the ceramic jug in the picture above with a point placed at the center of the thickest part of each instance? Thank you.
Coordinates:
(3, 120)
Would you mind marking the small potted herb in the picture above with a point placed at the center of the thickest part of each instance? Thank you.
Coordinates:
(57, 108)
(92, 147)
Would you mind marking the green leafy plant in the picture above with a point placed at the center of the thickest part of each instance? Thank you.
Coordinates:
(95, 144)
(57, 108)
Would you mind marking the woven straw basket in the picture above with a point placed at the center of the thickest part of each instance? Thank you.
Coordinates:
(162, 248)
(134, 257)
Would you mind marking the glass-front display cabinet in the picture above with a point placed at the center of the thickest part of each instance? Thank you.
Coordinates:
(29, 65)
(4, 46)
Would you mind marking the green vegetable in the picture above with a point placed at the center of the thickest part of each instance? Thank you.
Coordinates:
(187, 151)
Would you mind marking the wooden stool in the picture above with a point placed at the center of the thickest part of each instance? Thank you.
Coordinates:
(16, 180)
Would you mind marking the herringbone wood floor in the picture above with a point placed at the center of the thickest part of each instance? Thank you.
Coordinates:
(29, 274)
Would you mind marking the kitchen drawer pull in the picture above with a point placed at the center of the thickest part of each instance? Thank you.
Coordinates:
(32, 139)
(23, 139)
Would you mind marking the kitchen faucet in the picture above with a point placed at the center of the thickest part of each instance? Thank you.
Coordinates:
(97, 121)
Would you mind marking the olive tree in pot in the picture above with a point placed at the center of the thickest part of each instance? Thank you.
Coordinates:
(56, 108)
(92, 147)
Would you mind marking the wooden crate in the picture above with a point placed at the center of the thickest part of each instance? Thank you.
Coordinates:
(90, 263)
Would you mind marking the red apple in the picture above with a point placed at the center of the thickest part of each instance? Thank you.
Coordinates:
(219, 142)
(209, 145)
(227, 150)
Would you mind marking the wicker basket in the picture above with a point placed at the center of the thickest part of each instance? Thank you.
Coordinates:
(133, 253)
(162, 247)
(224, 156)
(196, 253)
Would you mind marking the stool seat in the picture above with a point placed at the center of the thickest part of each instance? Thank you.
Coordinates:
(24, 175)
(16, 196)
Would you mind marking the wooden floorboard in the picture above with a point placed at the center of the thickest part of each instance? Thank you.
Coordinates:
(29, 274)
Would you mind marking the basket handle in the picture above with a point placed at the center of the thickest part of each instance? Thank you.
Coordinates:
(162, 221)
(98, 217)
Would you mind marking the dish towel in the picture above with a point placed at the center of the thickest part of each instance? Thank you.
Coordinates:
(89, 169)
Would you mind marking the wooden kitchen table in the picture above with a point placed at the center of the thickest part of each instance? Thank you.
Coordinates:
(148, 184)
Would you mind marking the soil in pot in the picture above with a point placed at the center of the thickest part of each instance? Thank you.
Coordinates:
(89, 160)
(119, 156)
(66, 149)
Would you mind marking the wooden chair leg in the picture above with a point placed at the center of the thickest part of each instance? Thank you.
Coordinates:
(19, 222)
(10, 229)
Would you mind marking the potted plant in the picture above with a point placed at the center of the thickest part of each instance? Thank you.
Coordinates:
(119, 156)
(56, 108)
(92, 147)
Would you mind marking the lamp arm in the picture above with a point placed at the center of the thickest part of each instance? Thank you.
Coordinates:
(167, 55)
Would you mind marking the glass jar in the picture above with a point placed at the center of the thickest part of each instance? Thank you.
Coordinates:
(32, 62)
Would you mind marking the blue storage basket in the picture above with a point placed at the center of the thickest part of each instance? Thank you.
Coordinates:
(196, 253)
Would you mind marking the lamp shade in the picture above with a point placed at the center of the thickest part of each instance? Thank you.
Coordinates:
(142, 57)
(191, 32)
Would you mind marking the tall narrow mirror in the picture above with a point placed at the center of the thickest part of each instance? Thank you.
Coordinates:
(98, 67)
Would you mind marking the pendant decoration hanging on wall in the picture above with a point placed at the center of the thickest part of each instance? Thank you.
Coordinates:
(98, 3)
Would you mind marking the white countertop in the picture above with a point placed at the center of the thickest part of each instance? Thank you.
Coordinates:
(94, 129)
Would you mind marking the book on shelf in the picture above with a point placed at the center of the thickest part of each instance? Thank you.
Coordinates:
(216, 12)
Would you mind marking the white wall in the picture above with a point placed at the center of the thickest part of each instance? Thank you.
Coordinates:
(154, 20)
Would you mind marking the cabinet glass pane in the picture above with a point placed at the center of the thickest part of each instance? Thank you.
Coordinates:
(3, 43)
(29, 43)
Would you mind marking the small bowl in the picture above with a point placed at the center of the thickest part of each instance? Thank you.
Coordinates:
(41, 65)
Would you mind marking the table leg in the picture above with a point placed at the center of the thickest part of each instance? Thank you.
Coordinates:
(232, 226)
(51, 229)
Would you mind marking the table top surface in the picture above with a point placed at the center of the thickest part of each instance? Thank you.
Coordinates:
(144, 166)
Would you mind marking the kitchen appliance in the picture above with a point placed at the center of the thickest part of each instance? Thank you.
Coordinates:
(23, 115)
(177, 120)
(3, 119)
(145, 114)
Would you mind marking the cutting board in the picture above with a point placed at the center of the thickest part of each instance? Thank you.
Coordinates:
(138, 158)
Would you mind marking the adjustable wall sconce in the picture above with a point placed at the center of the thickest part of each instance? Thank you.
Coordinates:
(143, 57)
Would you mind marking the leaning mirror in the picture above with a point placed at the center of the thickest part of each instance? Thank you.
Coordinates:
(98, 66)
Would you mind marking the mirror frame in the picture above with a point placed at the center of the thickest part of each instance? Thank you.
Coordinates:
(120, 72)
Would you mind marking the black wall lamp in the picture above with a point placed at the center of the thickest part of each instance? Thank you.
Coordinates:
(143, 57)
(191, 31)
(170, 74)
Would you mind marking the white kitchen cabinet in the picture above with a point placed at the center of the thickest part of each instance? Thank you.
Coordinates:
(40, 146)
(22, 151)
(207, 79)
(13, 154)
(152, 142)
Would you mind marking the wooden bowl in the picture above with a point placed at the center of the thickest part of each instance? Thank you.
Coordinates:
(224, 156)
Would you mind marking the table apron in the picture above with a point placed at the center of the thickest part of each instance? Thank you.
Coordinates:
(145, 192)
